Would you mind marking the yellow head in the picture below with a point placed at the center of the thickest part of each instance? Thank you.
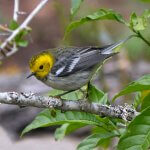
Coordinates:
(41, 64)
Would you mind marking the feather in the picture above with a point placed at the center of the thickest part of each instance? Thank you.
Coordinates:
(76, 59)
(109, 48)
(59, 71)
(73, 64)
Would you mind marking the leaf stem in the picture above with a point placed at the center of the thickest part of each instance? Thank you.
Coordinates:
(141, 37)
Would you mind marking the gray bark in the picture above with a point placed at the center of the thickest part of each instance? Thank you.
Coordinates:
(125, 112)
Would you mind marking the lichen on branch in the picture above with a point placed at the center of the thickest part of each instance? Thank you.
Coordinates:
(125, 112)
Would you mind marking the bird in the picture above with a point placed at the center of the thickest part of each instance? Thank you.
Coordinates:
(70, 68)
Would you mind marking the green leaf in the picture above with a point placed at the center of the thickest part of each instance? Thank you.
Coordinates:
(105, 143)
(98, 130)
(139, 85)
(75, 6)
(67, 128)
(61, 132)
(19, 37)
(13, 25)
(140, 99)
(138, 23)
(137, 101)
(22, 43)
(76, 95)
(21, 34)
(95, 95)
(93, 140)
(44, 119)
(146, 1)
(54, 92)
(101, 14)
(137, 134)
(146, 101)
(146, 13)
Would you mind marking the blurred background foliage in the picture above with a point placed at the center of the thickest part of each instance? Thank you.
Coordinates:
(48, 29)
(49, 26)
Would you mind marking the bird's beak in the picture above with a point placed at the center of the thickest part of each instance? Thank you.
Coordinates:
(30, 75)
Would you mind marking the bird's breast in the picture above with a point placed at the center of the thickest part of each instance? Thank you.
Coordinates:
(70, 82)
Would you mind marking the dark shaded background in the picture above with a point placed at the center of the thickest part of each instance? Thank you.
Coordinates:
(47, 32)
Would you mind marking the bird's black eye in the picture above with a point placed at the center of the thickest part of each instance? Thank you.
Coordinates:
(41, 67)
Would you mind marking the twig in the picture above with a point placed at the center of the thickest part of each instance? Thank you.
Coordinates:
(22, 26)
(3, 28)
(16, 9)
(4, 34)
(30, 99)
(141, 36)
(138, 34)
(15, 17)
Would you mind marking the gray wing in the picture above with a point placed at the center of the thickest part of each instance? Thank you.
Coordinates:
(77, 59)
(74, 59)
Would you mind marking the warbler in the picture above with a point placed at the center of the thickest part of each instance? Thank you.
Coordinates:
(70, 68)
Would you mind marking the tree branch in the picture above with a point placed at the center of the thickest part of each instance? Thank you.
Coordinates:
(16, 10)
(21, 27)
(30, 99)
(15, 17)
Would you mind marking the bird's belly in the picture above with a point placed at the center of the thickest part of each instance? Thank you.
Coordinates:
(68, 83)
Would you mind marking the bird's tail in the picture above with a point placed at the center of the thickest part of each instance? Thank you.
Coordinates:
(110, 48)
